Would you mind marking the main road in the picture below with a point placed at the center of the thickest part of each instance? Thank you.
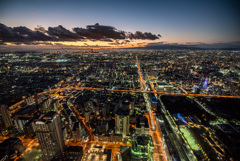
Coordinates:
(17, 105)
(159, 153)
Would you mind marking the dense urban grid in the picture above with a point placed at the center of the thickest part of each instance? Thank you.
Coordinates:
(120, 105)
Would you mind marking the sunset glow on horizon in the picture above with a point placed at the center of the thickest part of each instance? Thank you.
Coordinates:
(117, 24)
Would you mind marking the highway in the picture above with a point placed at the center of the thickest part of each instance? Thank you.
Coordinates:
(14, 107)
(159, 153)
(130, 91)
(143, 86)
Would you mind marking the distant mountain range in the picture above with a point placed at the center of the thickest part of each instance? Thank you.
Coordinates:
(160, 45)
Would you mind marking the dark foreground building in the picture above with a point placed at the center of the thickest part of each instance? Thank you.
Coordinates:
(10, 148)
(48, 130)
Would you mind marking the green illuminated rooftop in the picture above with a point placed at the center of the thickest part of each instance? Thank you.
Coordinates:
(189, 139)
(142, 145)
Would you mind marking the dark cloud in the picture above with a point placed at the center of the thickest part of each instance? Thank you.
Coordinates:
(6, 34)
(21, 34)
(24, 35)
(60, 33)
(143, 36)
(99, 32)
(115, 43)
(32, 43)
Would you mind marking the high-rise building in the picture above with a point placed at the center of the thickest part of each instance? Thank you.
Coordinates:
(28, 128)
(102, 126)
(122, 124)
(87, 115)
(45, 106)
(11, 148)
(76, 131)
(142, 126)
(6, 116)
(120, 103)
(104, 111)
(22, 116)
(55, 106)
(48, 130)
(20, 122)
(154, 102)
(38, 99)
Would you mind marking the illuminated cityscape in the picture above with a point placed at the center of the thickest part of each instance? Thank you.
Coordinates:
(117, 100)
(145, 81)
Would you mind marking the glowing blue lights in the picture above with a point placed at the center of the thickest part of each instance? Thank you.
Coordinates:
(182, 118)
(205, 83)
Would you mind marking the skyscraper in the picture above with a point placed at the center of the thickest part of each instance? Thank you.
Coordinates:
(76, 131)
(87, 115)
(45, 106)
(6, 116)
(122, 122)
(50, 136)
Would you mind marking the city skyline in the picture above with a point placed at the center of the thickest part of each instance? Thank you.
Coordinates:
(120, 105)
(118, 24)
(109, 80)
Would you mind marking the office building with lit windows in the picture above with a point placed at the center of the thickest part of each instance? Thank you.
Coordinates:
(6, 116)
(48, 130)
(122, 123)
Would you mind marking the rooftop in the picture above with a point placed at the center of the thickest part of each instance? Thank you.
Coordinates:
(50, 114)
(123, 111)
(26, 110)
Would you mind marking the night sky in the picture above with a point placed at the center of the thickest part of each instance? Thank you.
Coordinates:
(173, 21)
